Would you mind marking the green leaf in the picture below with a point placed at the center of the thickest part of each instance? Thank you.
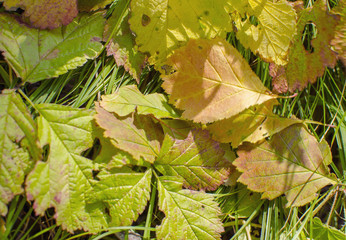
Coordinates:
(129, 98)
(136, 134)
(122, 44)
(197, 159)
(125, 195)
(274, 30)
(63, 180)
(163, 25)
(293, 163)
(92, 5)
(39, 54)
(321, 231)
(189, 214)
(212, 81)
(18, 146)
(252, 125)
(46, 13)
(111, 156)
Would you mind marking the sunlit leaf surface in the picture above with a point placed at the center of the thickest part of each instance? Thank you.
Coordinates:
(39, 54)
(268, 28)
(129, 98)
(198, 159)
(125, 195)
(64, 179)
(136, 134)
(293, 163)
(252, 125)
(212, 81)
(189, 214)
(163, 25)
(18, 146)
(46, 13)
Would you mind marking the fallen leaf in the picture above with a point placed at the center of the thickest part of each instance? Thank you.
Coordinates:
(198, 159)
(136, 134)
(40, 54)
(292, 162)
(252, 125)
(212, 81)
(19, 148)
(189, 214)
(46, 13)
(163, 25)
(129, 98)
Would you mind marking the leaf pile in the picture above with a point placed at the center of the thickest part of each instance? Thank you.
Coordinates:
(177, 144)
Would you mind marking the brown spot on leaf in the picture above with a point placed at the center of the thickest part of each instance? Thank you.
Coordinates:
(52, 54)
(95, 39)
(145, 20)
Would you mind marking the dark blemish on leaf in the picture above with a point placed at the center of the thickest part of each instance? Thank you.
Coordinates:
(107, 212)
(200, 47)
(157, 52)
(264, 134)
(95, 39)
(255, 109)
(53, 54)
(145, 20)
(260, 128)
(251, 193)
(156, 29)
(206, 13)
(168, 69)
(95, 172)
(203, 206)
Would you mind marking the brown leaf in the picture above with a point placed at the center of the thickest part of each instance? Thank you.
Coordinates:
(46, 13)
(293, 163)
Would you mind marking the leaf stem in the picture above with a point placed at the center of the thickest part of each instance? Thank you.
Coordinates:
(333, 206)
(146, 235)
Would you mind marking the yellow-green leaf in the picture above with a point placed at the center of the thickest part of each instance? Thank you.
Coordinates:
(124, 194)
(192, 215)
(18, 146)
(163, 25)
(212, 81)
(39, 54)
(122, 43)
(64, 179)
(252, 125)
(92, 5)
(273, 32)
(129, 98)
(321, 231)
(198, 159)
